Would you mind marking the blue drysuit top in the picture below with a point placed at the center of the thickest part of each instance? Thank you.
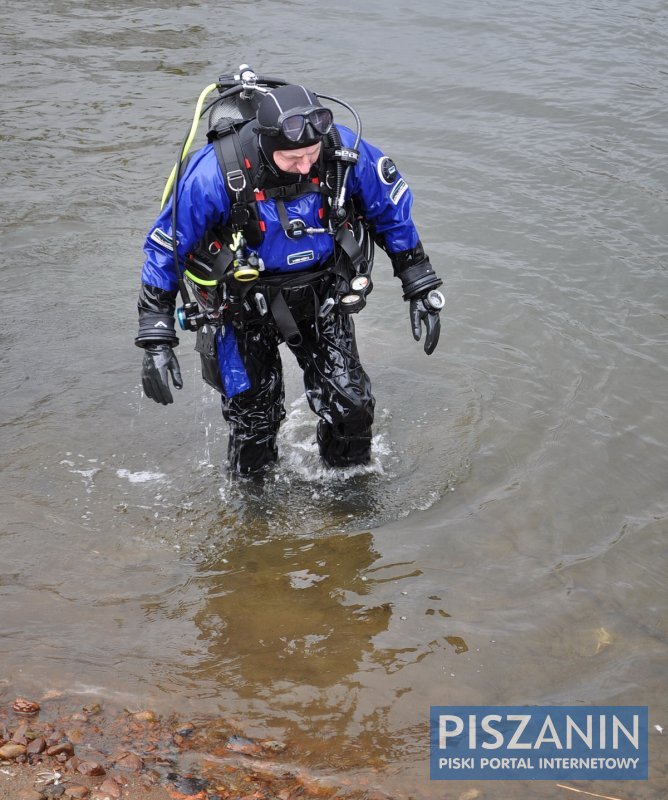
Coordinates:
(203, 203)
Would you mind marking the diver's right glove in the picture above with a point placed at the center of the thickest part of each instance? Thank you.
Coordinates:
(420, 284)
(157, 337)
(159, 362)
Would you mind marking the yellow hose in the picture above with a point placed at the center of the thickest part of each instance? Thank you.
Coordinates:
(193, 130)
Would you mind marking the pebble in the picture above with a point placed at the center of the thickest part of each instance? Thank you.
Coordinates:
(30, 794)
(91, 768)
(65, 748)
(24, 706)
(77, 792)
(36, 747)
(130, 761)
(73, 763)
(20, 734)
(110, 788)
(238, 744)
(145, 716)
(187, 785)
(11, 750)
(75, 735)
(273, 746)
(150, 778)
(55, 790)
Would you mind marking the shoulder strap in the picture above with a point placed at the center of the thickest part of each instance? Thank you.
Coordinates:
(233, 165)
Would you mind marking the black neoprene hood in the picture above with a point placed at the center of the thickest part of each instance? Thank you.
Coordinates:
(277, 102)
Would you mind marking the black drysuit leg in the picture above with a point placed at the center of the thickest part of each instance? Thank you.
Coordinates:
(254, 416)
(337, 388)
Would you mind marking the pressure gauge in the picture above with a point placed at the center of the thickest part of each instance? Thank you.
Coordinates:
(360, 284)
(434, 300)
(352, 303)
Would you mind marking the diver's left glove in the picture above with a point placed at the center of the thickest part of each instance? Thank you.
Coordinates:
(425, 311)
(420, 284)
(160, 362)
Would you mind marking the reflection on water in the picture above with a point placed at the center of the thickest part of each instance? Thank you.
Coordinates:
(292, 634)
(278, 615)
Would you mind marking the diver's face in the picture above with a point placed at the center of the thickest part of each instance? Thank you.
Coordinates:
(299, 161)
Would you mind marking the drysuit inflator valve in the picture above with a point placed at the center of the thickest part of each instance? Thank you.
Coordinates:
(190, 317)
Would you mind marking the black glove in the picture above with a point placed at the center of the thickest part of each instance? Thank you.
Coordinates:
(419, 282)
(424, 310)
(159, 359)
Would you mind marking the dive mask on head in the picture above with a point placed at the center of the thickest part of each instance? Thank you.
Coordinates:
(288, 118)
(291, 125)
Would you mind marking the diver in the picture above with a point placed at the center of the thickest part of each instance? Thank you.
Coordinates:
(275, 221)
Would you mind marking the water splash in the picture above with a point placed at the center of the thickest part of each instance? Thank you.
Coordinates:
(140, 477)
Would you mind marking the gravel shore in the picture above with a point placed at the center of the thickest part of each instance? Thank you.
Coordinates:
(50, 748)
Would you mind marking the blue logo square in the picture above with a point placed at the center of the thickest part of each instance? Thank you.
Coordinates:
(538, 742)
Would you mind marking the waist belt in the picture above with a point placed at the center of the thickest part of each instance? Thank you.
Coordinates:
(293, 280)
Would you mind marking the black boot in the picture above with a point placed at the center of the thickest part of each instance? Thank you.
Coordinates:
(339, 450)
(251, 454)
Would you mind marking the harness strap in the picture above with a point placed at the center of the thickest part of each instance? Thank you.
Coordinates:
(233, 164)
(283, 317)
(283, 215)
(274, 288)
(294, 190)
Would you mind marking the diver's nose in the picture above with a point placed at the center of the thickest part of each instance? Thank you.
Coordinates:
(304, 165)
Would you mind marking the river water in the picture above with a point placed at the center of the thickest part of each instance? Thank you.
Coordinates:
(507, 544)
